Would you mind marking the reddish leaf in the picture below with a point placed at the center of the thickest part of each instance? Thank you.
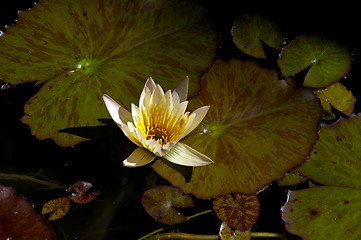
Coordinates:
(159, 203)
(58, 208)
(78, 191)
(240, 213)
(18, 219)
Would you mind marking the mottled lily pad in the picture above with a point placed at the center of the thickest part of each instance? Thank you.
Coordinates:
(331, 211)
(291, 179)
(78, 191)
(226, 233)
(336, 159)
(240, 212)
(250, 30)
(57, 208)
(19, 220)
(338, 96)
(160, 202)
(324, 213)
(81, 50)
(328, 60)
(257, 129)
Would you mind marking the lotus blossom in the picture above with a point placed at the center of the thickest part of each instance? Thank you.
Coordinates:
(158, 124)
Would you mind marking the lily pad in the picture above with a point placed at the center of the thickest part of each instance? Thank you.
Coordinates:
(328, 60)
(338, 96)
(257, 129)
(336, 159)
(78, 191)
(240, 212)
(324, 213)
(331, 211)
(81, 50)
(160, 202)
(226, 233)
(19, 220)
(58, 208)
(292, 179)
(250, 30)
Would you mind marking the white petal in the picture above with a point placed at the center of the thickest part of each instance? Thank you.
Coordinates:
(183, 154)
(136, 114)
(128, 131)
(150, 84)
(181, 108)
(140, 137)
(119, 114)
(160, 151)
(152, 144)
(163, 150)
(144, 99)
(139, 157)
(167, 101)
(169, 145)
(157, 95)
(180, 93)
(200, 113)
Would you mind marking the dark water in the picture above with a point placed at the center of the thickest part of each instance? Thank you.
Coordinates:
(118, 213)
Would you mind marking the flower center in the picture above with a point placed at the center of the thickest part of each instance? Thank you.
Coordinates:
(159, 134)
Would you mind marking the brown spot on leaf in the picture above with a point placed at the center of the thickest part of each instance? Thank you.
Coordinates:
(314, 212)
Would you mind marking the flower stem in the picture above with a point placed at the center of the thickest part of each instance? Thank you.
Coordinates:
(180, 235)
(26, 178)
(162, 229)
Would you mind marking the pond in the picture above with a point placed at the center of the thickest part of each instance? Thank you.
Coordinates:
(56, 129)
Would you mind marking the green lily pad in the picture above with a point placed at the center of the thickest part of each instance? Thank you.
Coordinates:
(292, 179)
(226, 233)
(324, 213)
(240, 212)
(81, 50)
(160, 202)
(256, 130)
(331, 211)
(57, 208)
(336, 159)
(249, 30)
(338, 96)
(328, 60)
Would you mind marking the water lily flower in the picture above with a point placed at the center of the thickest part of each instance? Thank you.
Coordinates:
(158, 124)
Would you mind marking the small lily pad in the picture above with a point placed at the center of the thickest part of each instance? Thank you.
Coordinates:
(78, 191)
(58, 208)
(257, 128)
(292, 179)
(19, 220)
(81, 50)
(249, 30)
(160, 202)
(338, 96)
(226, 233)
(240, 212)
(328, 60)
